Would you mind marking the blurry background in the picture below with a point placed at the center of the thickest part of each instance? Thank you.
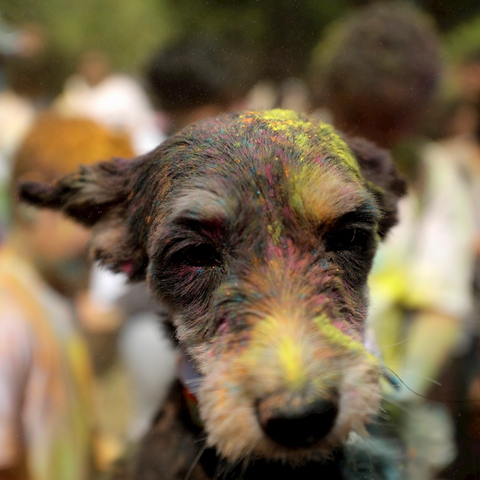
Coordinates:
(277, 34)
(145, 68)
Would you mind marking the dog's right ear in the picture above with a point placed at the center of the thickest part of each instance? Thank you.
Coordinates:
(378, 168)
(98, 196)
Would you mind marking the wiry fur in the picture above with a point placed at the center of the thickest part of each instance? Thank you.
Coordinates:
(258, 231)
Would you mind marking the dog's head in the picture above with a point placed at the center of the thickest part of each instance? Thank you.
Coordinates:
(258, 230)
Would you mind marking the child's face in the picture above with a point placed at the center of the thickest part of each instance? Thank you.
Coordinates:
(59, 247)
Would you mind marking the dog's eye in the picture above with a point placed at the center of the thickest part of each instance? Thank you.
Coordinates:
(203, 255)
(348, 238)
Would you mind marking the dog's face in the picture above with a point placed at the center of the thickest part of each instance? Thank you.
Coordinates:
(258, 230)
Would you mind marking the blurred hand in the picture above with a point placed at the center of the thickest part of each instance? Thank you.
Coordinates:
(95, 318)
(432, 339)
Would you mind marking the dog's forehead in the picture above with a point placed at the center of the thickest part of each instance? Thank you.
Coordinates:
(270, 158)
(253, 137)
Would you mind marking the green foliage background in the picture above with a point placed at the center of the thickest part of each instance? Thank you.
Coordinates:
(127, 29)
(464, 40)
(279, 34)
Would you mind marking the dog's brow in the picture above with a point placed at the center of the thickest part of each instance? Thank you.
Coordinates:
(324, 197)
(200, 205)
(202, 225)
(365, 215)
(201, 211)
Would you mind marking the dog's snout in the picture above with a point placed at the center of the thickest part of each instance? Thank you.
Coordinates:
(300, 426)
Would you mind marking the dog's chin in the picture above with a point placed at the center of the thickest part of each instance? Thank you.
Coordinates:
(239, 449)
(232, 427)
(267, 450)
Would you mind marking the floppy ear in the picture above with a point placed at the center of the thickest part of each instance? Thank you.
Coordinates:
(378, 168)
(86, 196)
(98, 196)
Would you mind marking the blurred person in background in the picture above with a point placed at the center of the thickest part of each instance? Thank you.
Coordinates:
(37, 70)
(200, 77)
(291, 94)
(10, 44)
(455, 114)
(46, 410)
(462, 146)
(378, 70)
(114, 100)
(371, 76)
(31, 70)
(196, 78)
(467, 74)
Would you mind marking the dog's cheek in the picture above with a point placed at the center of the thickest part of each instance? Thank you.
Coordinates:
(228, 415)
(360, 396)
(113, 245)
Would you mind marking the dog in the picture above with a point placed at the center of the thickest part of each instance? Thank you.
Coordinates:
(258, 231)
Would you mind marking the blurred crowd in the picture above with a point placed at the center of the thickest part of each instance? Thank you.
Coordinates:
(84, 362)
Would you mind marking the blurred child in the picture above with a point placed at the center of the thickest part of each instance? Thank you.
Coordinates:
(46, 422)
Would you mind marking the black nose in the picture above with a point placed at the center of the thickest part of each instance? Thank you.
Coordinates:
(300, 427)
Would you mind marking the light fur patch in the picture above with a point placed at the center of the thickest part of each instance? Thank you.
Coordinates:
(325, 194)
(200, 203)
(282, 340)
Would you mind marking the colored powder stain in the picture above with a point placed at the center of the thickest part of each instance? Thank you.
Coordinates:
(268, 173)
(337, 337)
(290, 356)
(276, 338)
(275, 232)
(342, 326)
(297, 203)
(294, 128)
(303, 141)
(323, 203)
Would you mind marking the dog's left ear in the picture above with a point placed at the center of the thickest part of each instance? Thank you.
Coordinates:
(98, 196)
(378, 168)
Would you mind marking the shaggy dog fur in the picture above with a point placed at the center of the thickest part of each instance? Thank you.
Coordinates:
(258, 231)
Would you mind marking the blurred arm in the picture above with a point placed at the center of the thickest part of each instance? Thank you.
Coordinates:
(15, 358)
(15, 473)
(432, 339)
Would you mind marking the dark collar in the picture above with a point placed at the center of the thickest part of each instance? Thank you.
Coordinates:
(191, 380)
